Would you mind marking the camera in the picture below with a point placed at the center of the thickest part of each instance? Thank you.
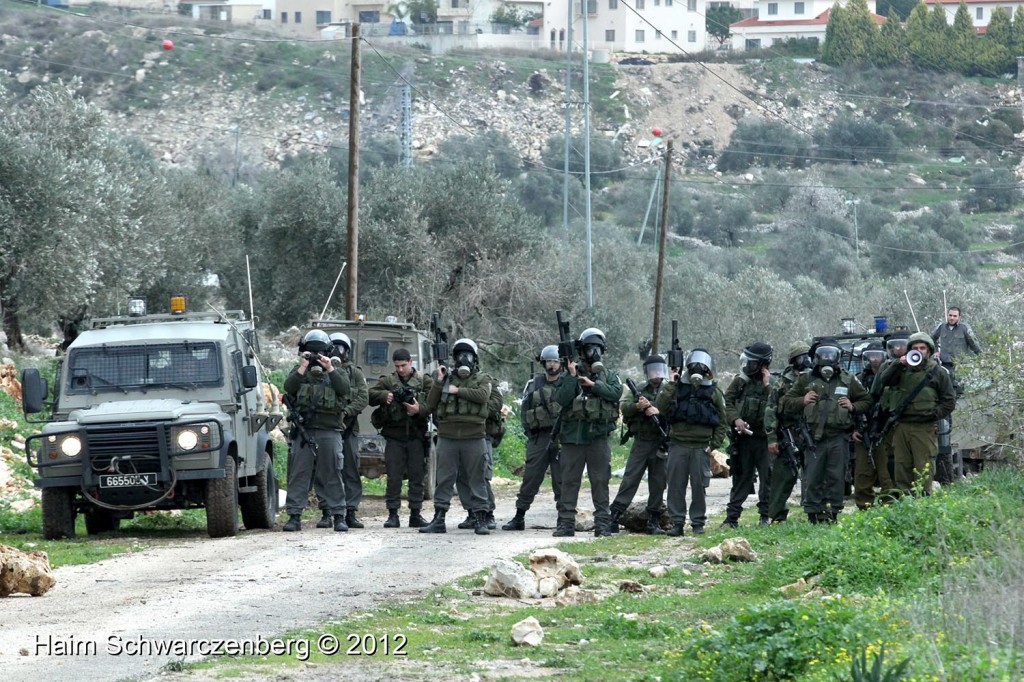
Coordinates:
(313, 357)
(914, 358)
(405, 395)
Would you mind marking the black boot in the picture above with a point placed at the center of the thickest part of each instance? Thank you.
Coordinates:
(392, 521)
(676, 531)
(602, 528)
(654, 525)
(352, 521)
(730, 523)
(765, 521)
(416, 519)
(613, 524)
(325, 520)
(812, 518)
(564, 529)
(481, 523)
(436, 524)
(293, 524)
(491, 523)
(339, 523)
(470, 522)
(518, 522)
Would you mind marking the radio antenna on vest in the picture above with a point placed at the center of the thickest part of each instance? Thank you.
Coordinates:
(911, 310)
(331, 295)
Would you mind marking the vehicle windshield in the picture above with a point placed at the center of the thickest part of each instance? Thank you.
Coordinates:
(187, 365)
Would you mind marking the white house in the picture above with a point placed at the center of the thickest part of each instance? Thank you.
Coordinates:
(779, 20)
(981, 10)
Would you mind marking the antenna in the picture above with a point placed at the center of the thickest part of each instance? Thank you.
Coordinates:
(331, 295)
(248, 277)
(911, 310)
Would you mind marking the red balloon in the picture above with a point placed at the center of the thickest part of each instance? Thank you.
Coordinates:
(168, 45)
(656, 132)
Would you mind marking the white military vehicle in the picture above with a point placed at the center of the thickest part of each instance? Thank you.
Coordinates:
(372, 346)
(155, 412)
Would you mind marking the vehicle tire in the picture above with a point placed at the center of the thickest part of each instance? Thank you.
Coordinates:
(58, 513)
(100, 521)
(259, 508)
(222, 502)
(431, 477)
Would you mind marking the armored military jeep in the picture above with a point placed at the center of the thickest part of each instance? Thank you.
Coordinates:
(372, 346)
(155, 412)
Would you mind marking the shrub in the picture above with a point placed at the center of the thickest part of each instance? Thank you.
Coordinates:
(764, 143)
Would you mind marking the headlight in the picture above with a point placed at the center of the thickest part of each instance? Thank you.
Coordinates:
(187, 439)
(71, 446)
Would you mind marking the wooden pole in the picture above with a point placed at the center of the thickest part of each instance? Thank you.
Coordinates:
(662, 242)
(352, 295)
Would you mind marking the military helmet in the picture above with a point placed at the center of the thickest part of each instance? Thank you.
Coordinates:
(754, 357)
(920, 337)
(339, 339)
(699, 356)
(655, 367)
(592, 337)
(798, 349)
(463, 345)
(548, 353)
(316, 341)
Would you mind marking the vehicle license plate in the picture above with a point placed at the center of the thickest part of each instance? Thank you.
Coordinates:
(126, 480)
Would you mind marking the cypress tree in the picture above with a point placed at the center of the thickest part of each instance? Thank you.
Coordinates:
(834, 52)
(891, 44)
(962, 44)
(862, 29)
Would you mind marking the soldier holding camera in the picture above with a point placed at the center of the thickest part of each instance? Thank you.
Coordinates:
(917, 393)
(316, 394)
(402, 420)
(356, 403)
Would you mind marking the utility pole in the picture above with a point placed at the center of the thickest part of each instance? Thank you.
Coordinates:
(856, 235)
(352, 294)
(567, 100)
(405, 129)
(662, 242)
(234, 176)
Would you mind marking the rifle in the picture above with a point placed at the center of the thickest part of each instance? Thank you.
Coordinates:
(440, 349)
(789, 452)
(566, 354)
(652, 417)
(674, 357)
(299, 424)
(807, 443)
(895, 415)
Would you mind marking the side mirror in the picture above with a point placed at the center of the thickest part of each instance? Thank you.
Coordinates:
(250, 379)
(34, 389)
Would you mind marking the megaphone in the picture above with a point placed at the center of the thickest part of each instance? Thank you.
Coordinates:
(914, 358)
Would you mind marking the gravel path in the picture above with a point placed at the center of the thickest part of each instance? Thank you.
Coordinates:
(259, 584)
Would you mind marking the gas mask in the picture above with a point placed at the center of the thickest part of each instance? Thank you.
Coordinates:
(592, 356)
(698, 375)
(827, 372)
(316, 371)
(826, 359)
(464, 364)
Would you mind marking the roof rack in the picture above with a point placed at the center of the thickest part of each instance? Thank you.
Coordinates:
(228, 316)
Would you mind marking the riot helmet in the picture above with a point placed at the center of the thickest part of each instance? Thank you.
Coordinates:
(755, 357)
(316, 341)
(826, 358)
(896, 344)
(591, 345)
(548, 355)
(700, 366)
(342, 345)
(655, 368)
(873, 355)
(465, 355)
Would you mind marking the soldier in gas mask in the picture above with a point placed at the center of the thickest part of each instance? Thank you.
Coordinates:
(695, 409)
(745, 401)
(781, 430)
(317, 393)
(589, 398)
(539, 412)
(828, 398)
(874, 469)
(460, 400)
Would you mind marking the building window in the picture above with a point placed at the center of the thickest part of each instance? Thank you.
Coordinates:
(675, 35)
(609, 35)
(369, 17)
(265, 14)
(691, 5)
(691, 36)
(639, 36)
(298, 17)
(323, 17)
(753, 44)
(668, 3)
(639, 4)
(657, 3)
(980, 13)
(377, 352)
(657, 35)
(773, 8)
(284, 17)
(613, 4)
(798, 8)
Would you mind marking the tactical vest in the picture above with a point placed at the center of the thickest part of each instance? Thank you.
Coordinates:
(318, 396)
(752, 401)
(395, 412)
(454, 406)
(587, 407)
(695, 406)
(539, 409)
(836, 418)
(923, 403)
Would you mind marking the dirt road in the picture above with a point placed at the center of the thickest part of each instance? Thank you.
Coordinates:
(103, 621)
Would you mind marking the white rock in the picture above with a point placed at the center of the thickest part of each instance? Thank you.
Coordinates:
(509, 579)
(657, 571)
(528, 632)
